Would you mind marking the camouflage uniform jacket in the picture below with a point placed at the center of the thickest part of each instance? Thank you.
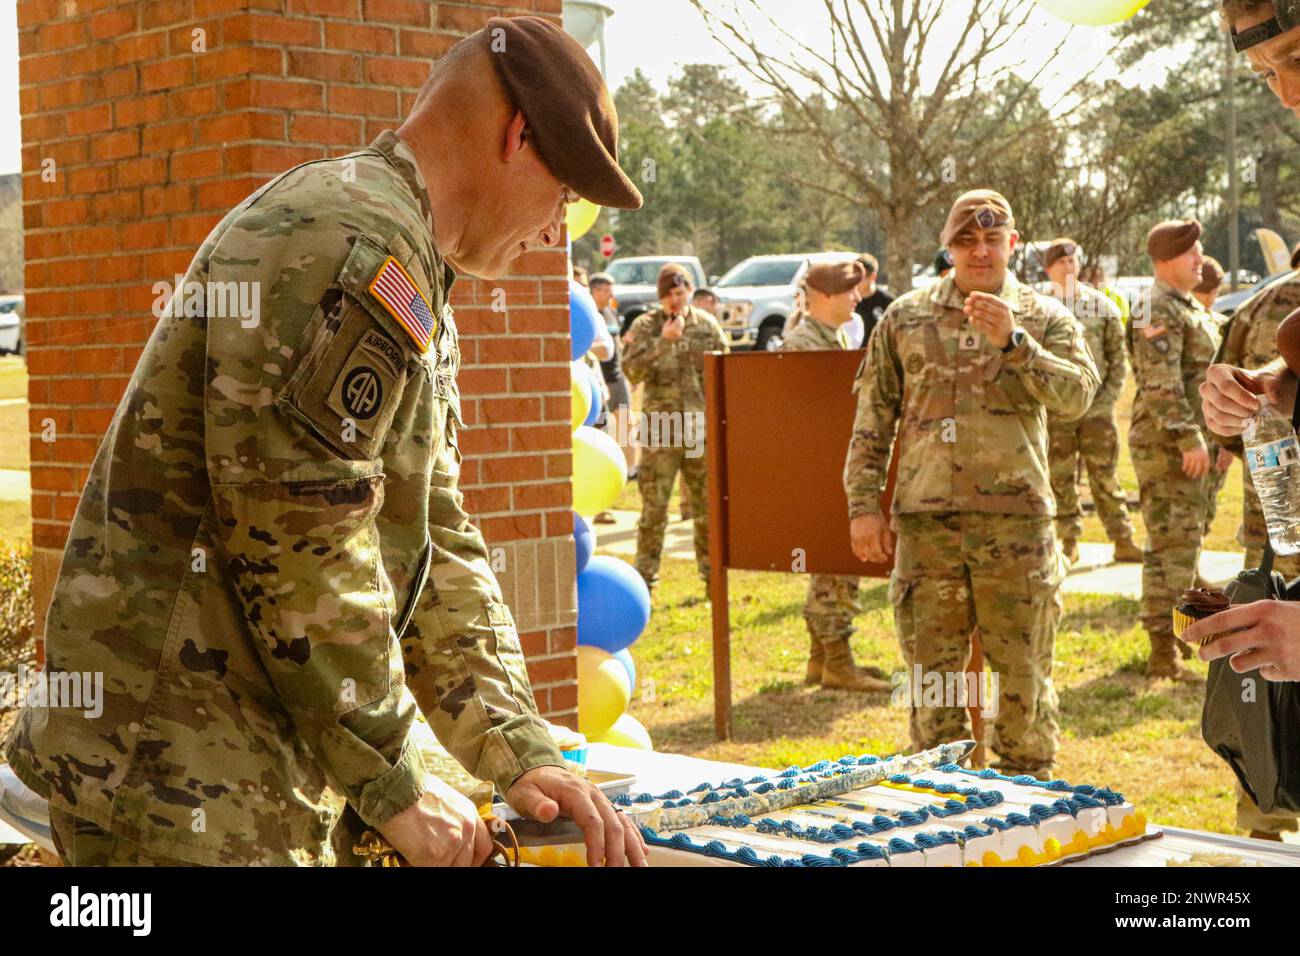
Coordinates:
(1251, 334)
(1172, 341)
(673, 372)
(972, 419)
(270, 563)
(811, 335)
(1103, 330)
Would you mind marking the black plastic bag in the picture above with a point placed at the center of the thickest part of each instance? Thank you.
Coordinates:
(1253, 723)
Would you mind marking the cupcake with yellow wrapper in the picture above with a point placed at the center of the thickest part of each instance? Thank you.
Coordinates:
(1196, 604)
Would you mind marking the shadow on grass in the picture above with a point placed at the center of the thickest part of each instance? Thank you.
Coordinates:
(1125, 698)
(1099, 612)
(781, 709)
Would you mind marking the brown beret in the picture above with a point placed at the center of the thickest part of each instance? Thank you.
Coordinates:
(980, 207)
(549, 76)
(1211, 275)
(832, 278)
(1171, 238)
(672, 275)
(1059, 249)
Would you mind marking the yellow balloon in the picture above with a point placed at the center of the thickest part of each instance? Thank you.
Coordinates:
(1093, 13)
(603, 691)
(627, 732)
(580, 216)
(580, 394)
(599, 470)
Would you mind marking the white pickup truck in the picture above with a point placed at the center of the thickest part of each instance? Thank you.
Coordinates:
(757, 296)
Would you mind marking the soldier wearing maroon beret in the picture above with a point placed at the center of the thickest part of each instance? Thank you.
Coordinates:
(1094, 438)
(1171, 341)
(958, 381)
(833, 599)
(264, 712)
(665, 349)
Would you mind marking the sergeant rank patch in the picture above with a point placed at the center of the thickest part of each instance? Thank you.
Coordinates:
(398, 294)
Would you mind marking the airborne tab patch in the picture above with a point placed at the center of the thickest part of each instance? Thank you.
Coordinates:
(369, 378)
(394, 289)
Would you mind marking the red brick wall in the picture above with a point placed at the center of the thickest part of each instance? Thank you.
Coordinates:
(151, 142)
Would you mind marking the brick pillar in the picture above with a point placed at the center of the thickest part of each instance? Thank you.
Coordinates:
(144, 122)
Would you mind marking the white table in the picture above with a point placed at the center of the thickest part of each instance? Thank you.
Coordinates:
(658, 772)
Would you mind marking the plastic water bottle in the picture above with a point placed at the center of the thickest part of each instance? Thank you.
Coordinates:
(1273, 456)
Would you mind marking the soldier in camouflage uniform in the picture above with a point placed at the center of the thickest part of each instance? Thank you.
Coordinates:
(966, 371)
(1251, 343)
(1171, 341)
(1206, 292)
(1094, 438)
(832, 292)
(665, 349)
(1267, 33)
(270, 564)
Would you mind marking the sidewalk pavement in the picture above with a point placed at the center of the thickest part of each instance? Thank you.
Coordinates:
(15, 484)
(1094, 574)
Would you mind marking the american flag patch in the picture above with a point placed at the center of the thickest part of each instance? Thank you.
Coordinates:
(400, 296)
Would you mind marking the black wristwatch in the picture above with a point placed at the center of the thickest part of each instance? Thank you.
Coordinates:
(1017, 336)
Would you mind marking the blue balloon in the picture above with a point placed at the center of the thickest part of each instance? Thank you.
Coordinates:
(584, 319)
(613, 604)
(584, 539)
(624, 657)
(597, 399)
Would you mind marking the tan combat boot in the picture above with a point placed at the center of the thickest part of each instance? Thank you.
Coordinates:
(815, 650)
(840, 673)
(1164, 663)
(1126, 552)
(1070, 548)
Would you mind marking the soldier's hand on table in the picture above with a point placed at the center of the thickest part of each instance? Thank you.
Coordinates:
(443, 829)
(992, 316)
(871, 539)
(1269, 641)
(612, 838)
(1228, 396)
(1224, 460)
(1196, 462)
(673, 328)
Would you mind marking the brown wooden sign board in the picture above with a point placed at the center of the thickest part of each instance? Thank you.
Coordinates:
(778, 427)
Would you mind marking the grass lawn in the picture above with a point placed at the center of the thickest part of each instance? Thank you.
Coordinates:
(1118, 729)
(13, 415)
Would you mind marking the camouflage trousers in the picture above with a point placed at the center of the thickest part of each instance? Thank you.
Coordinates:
(82, 843)
(954, 572)
(1095, 440)
(1214, 483)
(831, 606)
(655, 476)
(1175, 509)
(1256, 532)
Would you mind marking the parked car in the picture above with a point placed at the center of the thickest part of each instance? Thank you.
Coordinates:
(757, 296)
(635, 278)
(11, 323)
(1232, 301)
